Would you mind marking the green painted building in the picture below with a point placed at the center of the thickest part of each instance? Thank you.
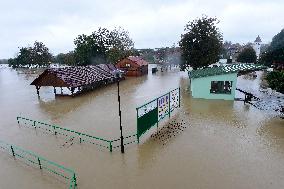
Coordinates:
(218, 82)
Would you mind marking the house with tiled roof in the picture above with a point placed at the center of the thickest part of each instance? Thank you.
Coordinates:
(218, 82)
(133, 66)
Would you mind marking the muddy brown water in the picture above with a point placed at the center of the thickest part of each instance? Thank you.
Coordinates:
(223, 144)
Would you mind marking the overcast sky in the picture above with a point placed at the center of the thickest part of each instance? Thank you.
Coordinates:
(151, 23)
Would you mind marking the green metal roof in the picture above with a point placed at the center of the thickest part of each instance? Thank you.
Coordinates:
(221, 70)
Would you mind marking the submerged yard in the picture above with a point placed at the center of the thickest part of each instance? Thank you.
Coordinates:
(216, 144)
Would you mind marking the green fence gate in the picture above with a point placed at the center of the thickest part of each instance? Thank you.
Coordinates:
(154, 111)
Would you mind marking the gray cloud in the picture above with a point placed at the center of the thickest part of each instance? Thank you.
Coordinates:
(150, 23)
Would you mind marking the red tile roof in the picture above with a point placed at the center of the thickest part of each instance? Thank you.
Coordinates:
(138, 60)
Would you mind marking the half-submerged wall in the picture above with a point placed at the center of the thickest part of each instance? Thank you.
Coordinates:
(200, 87)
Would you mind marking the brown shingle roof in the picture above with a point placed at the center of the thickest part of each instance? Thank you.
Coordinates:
(78, 76)
(138, 60)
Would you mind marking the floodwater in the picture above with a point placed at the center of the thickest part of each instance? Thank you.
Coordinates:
(222, 144)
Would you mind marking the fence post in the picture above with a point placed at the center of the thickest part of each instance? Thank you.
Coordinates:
(179, 97)
(110, 146)
(157, 100)
(80, 139)
(169, 104)
(12, 150)
(39, 163)
(137, 138)
(55, 133)
(35, 124)
(137, 125)
(75, 179)
(18, 120)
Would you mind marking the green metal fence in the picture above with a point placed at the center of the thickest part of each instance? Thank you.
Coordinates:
(155, 110)
(32, 159)
(75, 135)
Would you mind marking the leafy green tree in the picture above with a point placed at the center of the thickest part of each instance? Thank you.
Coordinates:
(275, 51)
(275, 80)
(247, 55)
(277, 55)
(277, 41)
(38, 55)
(66, 59)
(201, 44)
(103, 46)
(120, 45)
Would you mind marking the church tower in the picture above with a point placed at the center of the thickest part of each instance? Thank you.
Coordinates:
(256, 46)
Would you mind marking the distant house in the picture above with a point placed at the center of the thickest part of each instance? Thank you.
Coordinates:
(133, 66)
(74, 80)
(218, 82)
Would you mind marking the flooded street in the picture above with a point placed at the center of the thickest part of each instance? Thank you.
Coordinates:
(225, 144)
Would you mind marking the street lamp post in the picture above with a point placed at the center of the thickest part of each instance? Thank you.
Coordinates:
(118, 74)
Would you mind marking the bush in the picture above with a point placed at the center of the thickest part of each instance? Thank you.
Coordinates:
(275, 80)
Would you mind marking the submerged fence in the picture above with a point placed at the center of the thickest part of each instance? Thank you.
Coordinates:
(32, 159)
(154, 111)
(75, 135)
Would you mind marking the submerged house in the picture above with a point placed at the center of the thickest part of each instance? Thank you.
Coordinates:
(133, 66)
(218, 82)
(76, 79)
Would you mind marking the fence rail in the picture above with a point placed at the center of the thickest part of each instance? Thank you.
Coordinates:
(41, 163)
(71, 134)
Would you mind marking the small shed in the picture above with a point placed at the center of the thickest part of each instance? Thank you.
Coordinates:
(133, 66)
(76, 79)
(218, 82)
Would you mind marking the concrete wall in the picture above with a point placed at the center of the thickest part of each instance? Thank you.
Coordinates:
(200, 87)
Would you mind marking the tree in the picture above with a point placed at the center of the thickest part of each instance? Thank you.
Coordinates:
(201, 44)
(277, 41)
(275, 80)
(277, 55)
(275, 51)
(247, 55)
(121, 45)
(38, 55)
(103, 46)
(66, 59)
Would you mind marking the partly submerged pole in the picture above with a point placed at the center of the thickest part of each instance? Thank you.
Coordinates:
(119, 112)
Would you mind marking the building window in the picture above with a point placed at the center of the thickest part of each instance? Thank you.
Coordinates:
(221, 87)
(127, 65)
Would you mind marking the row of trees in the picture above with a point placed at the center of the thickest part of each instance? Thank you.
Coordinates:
(38, 55)
(102, 46)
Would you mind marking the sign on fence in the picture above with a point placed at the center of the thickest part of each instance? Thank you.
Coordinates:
(152, 112)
